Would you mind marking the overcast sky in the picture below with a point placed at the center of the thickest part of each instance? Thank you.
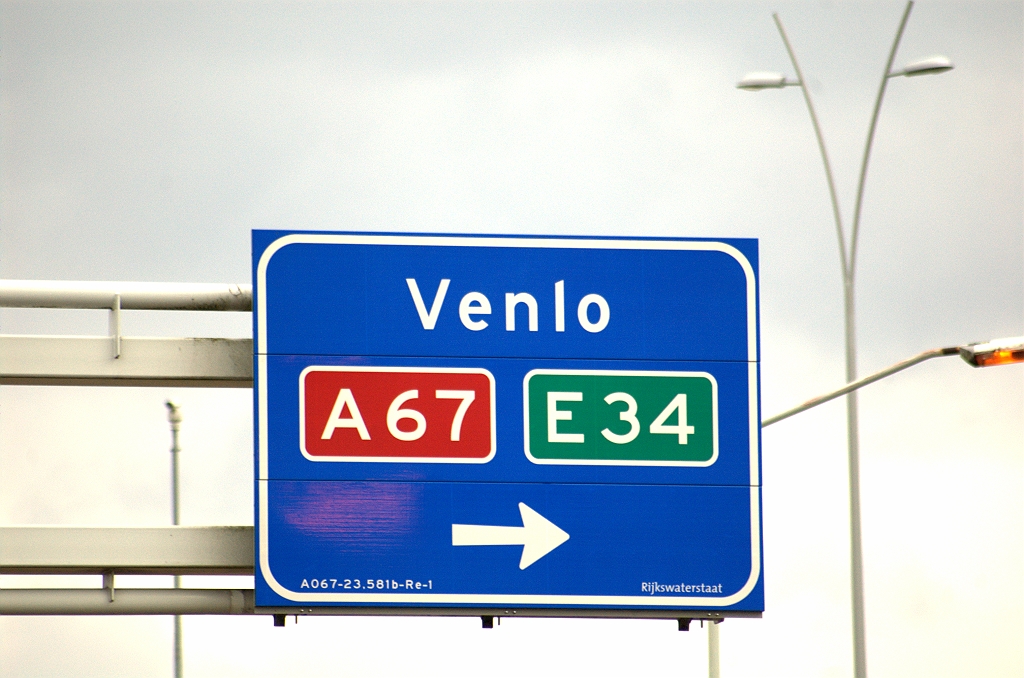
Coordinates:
(143, 141)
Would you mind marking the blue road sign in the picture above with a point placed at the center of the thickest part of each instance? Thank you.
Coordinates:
(457, 423)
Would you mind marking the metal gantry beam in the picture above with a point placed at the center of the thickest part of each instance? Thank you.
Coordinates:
(126, 550)
(143, 361)
(125, 361)
(133, 295)
(109, 551)
(125, 601)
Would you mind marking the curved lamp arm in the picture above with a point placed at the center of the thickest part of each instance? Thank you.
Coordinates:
(985, 354)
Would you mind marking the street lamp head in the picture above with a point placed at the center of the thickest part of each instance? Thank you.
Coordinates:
(173, 413)
(931, 65)
(995, 352)
(761, 80)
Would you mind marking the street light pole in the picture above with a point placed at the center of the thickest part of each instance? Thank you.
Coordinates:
(848, 260)
(174, 417)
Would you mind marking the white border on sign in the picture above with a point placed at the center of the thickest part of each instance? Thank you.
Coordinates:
(620, 462)
(444, 599)
(407, 370)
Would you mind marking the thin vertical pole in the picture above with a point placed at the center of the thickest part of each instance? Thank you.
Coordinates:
(860, 659)
(174, 417)
(713, 668)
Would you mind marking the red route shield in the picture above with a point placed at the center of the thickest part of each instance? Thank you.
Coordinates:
(396, 414)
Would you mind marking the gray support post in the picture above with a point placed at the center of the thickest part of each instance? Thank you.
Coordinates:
(713, 655)
(174, 417)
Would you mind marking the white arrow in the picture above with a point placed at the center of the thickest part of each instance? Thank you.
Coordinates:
(538, 535)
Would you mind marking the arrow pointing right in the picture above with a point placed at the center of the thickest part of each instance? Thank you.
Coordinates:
(538, 535)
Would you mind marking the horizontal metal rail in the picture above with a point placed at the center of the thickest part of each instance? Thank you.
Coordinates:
(126, 550)
(242, 601)
(132, 295)
(143, 361)
(125, 601)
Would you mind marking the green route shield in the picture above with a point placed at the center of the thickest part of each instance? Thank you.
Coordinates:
(620, 418)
